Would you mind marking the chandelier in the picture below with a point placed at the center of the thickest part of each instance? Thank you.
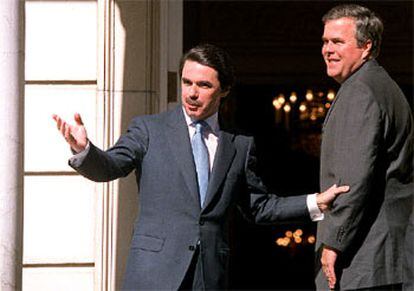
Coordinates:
(307, 109)
(302, 116)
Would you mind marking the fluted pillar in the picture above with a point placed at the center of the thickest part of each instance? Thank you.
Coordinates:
(11, 142)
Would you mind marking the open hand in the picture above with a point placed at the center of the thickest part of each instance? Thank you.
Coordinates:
(75, 135)
(324, 200)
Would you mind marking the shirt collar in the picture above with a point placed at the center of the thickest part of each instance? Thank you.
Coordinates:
(212, 121)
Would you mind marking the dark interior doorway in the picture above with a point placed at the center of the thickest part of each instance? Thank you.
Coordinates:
(276, 48)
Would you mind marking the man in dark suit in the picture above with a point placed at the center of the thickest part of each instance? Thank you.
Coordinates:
(191, 174)
(367, 143)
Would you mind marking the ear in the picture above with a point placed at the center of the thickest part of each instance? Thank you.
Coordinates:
(224, 92)
(366, 53)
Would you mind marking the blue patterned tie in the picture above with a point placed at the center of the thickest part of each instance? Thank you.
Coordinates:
(201, 159)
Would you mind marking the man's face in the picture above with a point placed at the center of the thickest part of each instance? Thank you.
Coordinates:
(340, 49)
(200, 90)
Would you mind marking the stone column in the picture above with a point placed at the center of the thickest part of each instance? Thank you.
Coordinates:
(11, 142)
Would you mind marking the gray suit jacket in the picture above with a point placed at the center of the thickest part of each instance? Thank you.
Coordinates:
(170, 222)
(367, 143)
(408, 274)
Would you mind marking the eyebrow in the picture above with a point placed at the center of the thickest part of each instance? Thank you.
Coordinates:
(202, 82)
(331, 39)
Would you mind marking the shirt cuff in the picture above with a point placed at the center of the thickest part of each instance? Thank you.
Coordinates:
(315, 213)
(78, 158)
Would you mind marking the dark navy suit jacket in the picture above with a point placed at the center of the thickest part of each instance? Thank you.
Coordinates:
(170, 222)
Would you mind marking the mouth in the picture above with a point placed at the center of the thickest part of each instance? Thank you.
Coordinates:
(192, 108)
(192, 105)
(331, 61)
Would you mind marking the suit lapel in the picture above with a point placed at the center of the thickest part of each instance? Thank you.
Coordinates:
(179, 143)
(222, 161)
(366, 66)
(331, 109)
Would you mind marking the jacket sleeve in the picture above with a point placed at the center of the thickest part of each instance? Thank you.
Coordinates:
(118, 161)
(355, 150)
(268, 208)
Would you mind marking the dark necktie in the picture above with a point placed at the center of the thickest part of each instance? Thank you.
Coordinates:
(201, 159)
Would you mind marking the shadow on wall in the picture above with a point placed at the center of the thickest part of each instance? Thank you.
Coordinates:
(134, 40)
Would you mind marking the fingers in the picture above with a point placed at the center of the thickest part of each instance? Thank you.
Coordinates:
(64, 128)
(61, 124)
(67, 132)
(75, 134)
(78, 119)
(58, 120)
(334, 189)
(340, 190)
(328, 260)
(343, 189)
(332, 281)
(331, 277)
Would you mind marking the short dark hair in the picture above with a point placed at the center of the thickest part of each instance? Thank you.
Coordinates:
(368, 25)
(213, 57)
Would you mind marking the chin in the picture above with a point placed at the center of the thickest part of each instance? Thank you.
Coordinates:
(332, 74)
(190, 113)
(193, 115)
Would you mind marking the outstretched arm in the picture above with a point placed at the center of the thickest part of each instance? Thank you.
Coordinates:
(75, 135)
(268, 208)
(96, 164)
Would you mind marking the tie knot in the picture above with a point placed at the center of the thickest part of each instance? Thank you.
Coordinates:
(200, 126)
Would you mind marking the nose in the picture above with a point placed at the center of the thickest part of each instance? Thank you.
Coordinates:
(327, 47)
(193, 92)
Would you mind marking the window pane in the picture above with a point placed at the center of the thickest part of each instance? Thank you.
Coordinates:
(59, 219)
(61, 40)
(62, 279)
(45, 148)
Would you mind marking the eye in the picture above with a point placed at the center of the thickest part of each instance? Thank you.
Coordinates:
(186, 82)
(205, 85)
(338, 41)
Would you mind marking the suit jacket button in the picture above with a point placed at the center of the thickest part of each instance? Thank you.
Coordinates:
(191, 248)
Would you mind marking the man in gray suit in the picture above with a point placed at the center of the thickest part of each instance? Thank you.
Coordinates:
(367, 143)
(408, 275)
(180, 238)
